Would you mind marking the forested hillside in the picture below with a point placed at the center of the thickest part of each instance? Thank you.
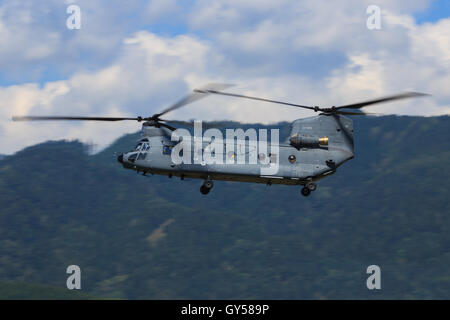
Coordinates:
(159, 238)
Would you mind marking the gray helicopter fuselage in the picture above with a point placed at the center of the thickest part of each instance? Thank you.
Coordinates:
(297, 164)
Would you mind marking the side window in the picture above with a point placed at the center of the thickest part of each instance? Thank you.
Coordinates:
(167, 150)
(132, 157)
(142, 155)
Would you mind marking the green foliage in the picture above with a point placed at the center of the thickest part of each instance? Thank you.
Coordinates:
(152, 237)
(27, 291)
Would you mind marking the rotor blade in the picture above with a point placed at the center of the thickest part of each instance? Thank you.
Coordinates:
(193, 97)
(356, 113)
(253, 98)
(381, 100)
(167, 126)
(178, 122)
(34, 118)
(205, 124)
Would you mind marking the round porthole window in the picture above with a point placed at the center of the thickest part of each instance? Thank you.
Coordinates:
(261, 156)
(291, 158)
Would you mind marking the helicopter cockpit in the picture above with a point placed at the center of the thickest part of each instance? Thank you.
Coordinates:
(139, 152)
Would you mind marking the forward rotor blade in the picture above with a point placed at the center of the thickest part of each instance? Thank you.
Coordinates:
(167, 126)
(348, 113)
(205, 125)
(381, 100)
(253, 98)
(193, 97)
(35, 118)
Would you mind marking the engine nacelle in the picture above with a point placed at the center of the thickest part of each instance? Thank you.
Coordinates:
(299, 141)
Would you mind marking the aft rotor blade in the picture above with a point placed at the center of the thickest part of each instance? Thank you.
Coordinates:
(193, 97)
(36, 118)
(253, 98)
(381, 100)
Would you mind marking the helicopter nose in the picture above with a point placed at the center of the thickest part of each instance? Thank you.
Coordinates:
(120, 158)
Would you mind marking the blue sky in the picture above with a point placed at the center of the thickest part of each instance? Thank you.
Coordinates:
(136, 57)
(438, 9)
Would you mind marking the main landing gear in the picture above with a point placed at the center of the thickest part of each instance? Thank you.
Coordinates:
(206, 186)
(306, 190)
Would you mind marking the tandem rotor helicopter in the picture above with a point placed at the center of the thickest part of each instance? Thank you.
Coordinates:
(316, 146)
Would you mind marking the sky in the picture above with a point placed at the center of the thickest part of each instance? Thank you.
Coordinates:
(137, 57)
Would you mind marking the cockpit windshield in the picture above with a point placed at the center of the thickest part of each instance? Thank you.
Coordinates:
(142, 146)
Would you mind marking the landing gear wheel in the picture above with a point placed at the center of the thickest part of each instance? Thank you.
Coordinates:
(204, 190)
(306, 191)
(208, 184)
(312, 186)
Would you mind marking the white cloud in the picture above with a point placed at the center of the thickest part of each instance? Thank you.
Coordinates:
(34, 39)
(158, 9)
(150, 73)
(303, 52)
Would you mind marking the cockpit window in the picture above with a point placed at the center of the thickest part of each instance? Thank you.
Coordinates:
(167, 149)
(142, 146)
(132, 157)
(142, 155)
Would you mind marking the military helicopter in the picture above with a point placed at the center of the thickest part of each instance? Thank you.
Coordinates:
(316, 146)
